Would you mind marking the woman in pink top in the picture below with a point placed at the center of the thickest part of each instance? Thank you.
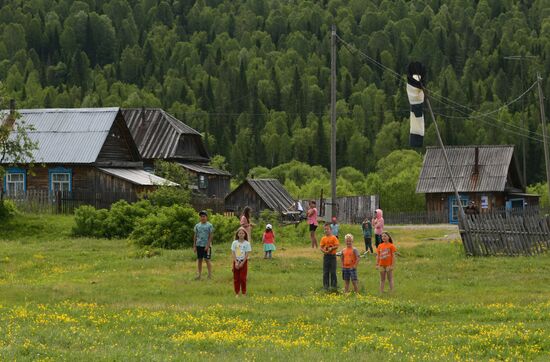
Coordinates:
(312, 221)
(378, 225)
(246, 224)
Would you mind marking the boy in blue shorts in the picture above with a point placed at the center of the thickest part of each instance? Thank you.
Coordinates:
(202, 243)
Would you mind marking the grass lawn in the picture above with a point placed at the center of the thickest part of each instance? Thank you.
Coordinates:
(65, 298)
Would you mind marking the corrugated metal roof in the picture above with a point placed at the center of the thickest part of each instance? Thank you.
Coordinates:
(493, 166)
(138, 177)
(199, 168)
(156, 132)
(69, 135)
(273, 193)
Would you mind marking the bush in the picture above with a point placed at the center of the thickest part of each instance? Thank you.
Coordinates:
(122, 217)
(224, 228)
(90, 221)
(169, 227)
(7, 209)
(169, 195)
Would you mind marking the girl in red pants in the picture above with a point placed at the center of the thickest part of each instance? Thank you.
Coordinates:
(240, 250)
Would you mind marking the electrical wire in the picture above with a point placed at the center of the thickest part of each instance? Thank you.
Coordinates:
(452, 104)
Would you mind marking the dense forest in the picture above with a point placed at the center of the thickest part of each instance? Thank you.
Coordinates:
(254, 75)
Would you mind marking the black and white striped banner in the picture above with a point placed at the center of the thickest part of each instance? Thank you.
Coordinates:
(415, 79)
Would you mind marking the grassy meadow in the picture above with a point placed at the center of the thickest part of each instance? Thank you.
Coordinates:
(66, 298)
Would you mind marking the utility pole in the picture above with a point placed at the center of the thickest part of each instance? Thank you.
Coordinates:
(333, 118)
(544, 134)
(521, 58)
(462, 222)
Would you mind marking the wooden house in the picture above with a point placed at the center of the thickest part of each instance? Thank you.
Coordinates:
(88, 151)
(487, 175)
(160, 136)
(259, 194)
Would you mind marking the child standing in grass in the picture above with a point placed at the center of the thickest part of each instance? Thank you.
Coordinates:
(350, 259)
(385, 260)
(202, 243)
(366, 227)
(329, 244)
(335, 227)
(239, 251)
(378, 225)
(312, 221)
(269, 241)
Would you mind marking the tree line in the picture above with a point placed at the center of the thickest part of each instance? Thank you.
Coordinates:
(253, 75)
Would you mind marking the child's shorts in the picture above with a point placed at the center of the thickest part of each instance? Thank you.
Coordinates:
(203, 253)
(385, 268)
(349, 274)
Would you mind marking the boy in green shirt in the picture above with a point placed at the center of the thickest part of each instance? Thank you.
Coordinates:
(202, 243)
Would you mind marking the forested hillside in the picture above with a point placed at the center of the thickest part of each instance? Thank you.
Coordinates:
(254, 75)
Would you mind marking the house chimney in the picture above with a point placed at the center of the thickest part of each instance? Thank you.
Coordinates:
(476, 164)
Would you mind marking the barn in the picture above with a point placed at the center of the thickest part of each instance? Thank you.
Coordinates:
(160, 136)
(259, 194)
(487, 175)
(84, 151)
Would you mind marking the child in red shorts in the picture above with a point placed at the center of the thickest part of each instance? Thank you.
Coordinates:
(385, 259)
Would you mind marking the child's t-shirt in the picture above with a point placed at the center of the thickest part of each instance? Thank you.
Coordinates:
(202, 231)
(329, 241)
(367, 229)
(385, 254)
(312, 219)
(269, 238)
(240, 249)
(335, 228)
(349, 257)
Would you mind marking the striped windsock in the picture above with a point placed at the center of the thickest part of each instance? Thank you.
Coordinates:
(415, 79)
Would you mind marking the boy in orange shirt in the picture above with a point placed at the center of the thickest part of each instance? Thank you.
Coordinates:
(385, 259)
(329, 244)
(350, 259)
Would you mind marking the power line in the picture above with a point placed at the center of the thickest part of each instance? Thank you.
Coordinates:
(447, 101)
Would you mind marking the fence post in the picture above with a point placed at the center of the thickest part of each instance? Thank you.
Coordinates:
(58, 201)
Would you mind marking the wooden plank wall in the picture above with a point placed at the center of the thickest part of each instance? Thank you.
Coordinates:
(489, 234)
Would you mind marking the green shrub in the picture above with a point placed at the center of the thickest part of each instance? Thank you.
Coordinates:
(90, 221)
(7, 209)
(168, 227)
(225, 228)
(169, 195)
(122, 217)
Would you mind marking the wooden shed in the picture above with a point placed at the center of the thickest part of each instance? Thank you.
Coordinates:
(487, 175)
(161, 136)
(85, 151)
(259, 194)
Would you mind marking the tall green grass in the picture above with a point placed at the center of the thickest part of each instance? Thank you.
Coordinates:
(66, 298)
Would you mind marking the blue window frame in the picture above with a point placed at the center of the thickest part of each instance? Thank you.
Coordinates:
(60, 179)
(453, 207)
(15, 181)
(515, 204)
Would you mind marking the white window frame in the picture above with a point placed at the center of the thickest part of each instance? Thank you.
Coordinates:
(15, 187)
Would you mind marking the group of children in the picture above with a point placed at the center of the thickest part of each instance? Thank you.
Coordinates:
(329, 244)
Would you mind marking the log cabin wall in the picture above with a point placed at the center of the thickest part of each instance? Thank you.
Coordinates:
(246, 196)
(84, 179)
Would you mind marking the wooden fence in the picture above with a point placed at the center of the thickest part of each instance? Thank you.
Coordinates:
(65, 202)
(505, 234)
